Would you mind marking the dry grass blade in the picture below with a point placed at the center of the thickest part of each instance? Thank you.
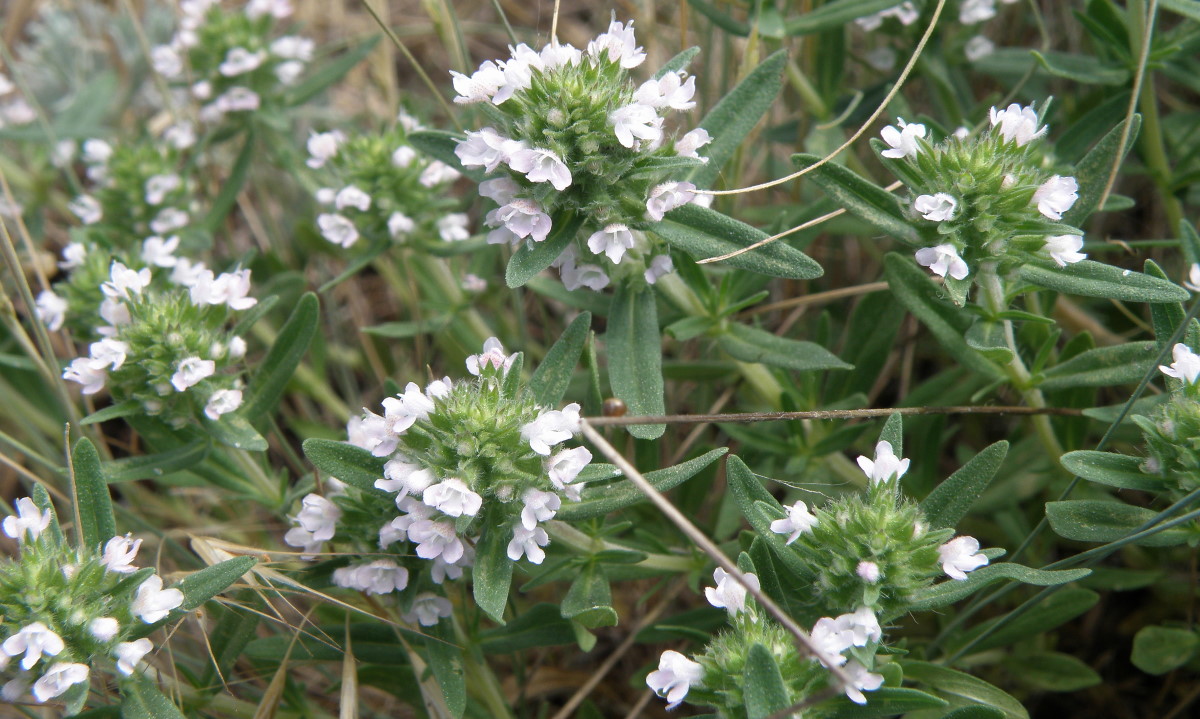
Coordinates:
(348, 699)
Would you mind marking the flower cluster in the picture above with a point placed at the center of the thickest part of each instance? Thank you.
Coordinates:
(169, 350)
(377, 187)
(462, 458)
(228, 60)
(984, 200)
(1172, 429)
(575, 136)
(14, 109)
(68, 610)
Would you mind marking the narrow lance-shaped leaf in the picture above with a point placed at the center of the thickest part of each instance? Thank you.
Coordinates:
(635, 356)
(1092, 520)
(764, 690)
(1096, 279)
(1103, 367)
(750, 344)
(199, 587)
(353, 465)
(549, 381)
(140, 699)
(267, 384)
(328, 73)
(1093, 171)
(598, 502)
(834, 15)
(92, 502)
(953, 682)
(493, 569)
(950, 501)
(533, 257)
(589, 599)
(446, 661)
(1113, 470)
(862, 198)
(702, 233)
(951, 591)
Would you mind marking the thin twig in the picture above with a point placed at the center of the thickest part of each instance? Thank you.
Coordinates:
(1143, 60)
(819, 298)
(749, 417)
(416, 65)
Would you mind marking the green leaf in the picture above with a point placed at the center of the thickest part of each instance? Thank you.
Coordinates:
(862, 198)
(871, 335)
(883, 702)
(635, 356)
(199, 587)
(328, 73)
(1084, 69)
(677, 63)
(1102, 367)
(114, 411)
(732, 119)
(599, 502)
(1053, 611)
(446, 661)
(1093, 170)
(750, 344)
(1093, 520)
(232, 185)
(1052, 671)
(41, 500)
(353, 465)
(893, 433)
(440, 145)
(533, 257)
(974, 711)
(988, 338)
(235, 431)
(1165, 316)
(950, 500)
(1158, 650)
(948, 592)
(955, 683)
(549, 381)
(140, 699)
(834, 14)
(720, 19)
(765, 691)
(702, 233)
(267, 385)
(589, 600)
(947, 323)
(248, 318)
(492, 574)
(1096, 279)
(1109, 468)
(92, 502)
(541, 625)
(1187, 8)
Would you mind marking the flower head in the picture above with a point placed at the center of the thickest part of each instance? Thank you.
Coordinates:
(903, 141)
(885, 466)
(1065, 249)
(943, 260)
(1056, 195)
(798, 521)
(936, 208)
(28, 520)
(1017, 124)
(961, 555)
(1185, 367)
(730, 593)
(676, 674)
(119, 554)
(152, 602)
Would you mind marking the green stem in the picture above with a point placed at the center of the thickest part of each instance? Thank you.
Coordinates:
(480, 679)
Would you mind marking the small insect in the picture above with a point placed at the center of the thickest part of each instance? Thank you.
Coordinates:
(613, 407)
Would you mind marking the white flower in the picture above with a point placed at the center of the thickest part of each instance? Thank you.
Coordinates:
(454, 498)
(51, 310)
(337, 229)
(238, 99)
(322, 146)
(613, 241)
(501, 190)
(480, 86)
(557, 55)
(223, 401)
(472, 282)
(237, 348)
(73, 255)
(169, 218)
(867, 571)
(493, 354)
(234, 287)
(119, 553)
(152, 602)
(588, 275)
(730, 594)
(318, 517)
(636, 124)
(551, 427)
(87, 209)
(436, 539)
(108, 353)
(1017, 124)
(399, 225)
(160, 252)
(104, 628)
(674, 677)
(882, 59)
(288, 72)
(830, 638)
(541, 165)
(903, 141)
(943, 259)
(862, 626)
(187, 273)
(96, 151)
(886, 464)
(81, 370)
(525, 218)
(619, 44)
(404, 156)
(528, 543)
(539, 507)
(906, 13)
(190, 371)
(860, 680)
(1193, 280)
(293, 47)
(1186, 365)
(668, 91)
(689, 144)
(960, 555)
(239, 61)
(403, 410)
(978, 48)
(382, 576)
(427, 608)
(58, 679)
(1056, 196)
(130, 654)
(278, 9)
(659, 266)
(33, 640)
(974, 11)
(798, 521)
(936, 208)
(202, 90)
(123, 281)
(6, 85)
(351, 196)
(453, 227)
(1065, 249)
(27, 519)
(159, 186)
(565, 466)
(667, 196)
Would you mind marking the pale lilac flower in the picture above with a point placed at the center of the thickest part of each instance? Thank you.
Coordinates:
(293, 47)
(886, 464)
(667, 196)
(943, 260)
(190, 371)
(15, 689)
(237, 348)
(108, 353)
(830, 638)
(798, 521)
(437, 173)
(187, 273)
(73, 256)
(1056, 196)
(528, 543)
(322, 146)
(453, 498)
(238, 99)
(130, 654)
(862, 626)
(427, 608)
(436, 539)
(403, 410)
(493, 355)
(202, 91)
(81, 370)
(159, 186)
(402, 475)
(374, 434)
(1193, 280)
(87, 209)
(289, 72)
(690, 143)
(978, 48)
(867, 571)
(730, 594)
(676, 674)
(1065, 249)
(660, 265)
(620, 44)
(539, 507)
(454, 227)
(123, 281)
(404, 156)
(58, 679)
(903, 141)
(480, 86)
(104, 628)
(906, 13)
(961, 555)
(472, 282)
(152, 602)
(501, 190)
(399, 225)
(337, 229)
(6, 85)
(1186, 365)
(382, 576)
(613, 241)
(525, 218)
(590, 276)
(96, 151)
(234, 289)
(636, 124)
(1017, 124)
(223, 401)
(541, 165)
(439, 572)
(119, 553)
(51, 310)
(882, 59)
(936, 208)
(975, 11)
(33, 640)
(160, 252)
(564, 467)
(278, 9)
(169, 218)
(860, 679)
(551, 427)
(671, 90)
(351, 196)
